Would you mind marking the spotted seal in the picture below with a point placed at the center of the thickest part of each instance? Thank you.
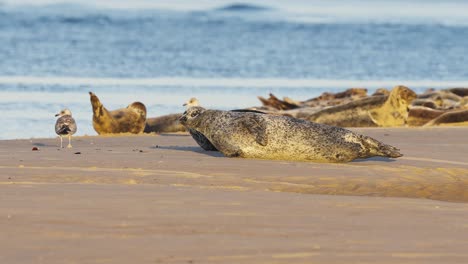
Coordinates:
(131, 119)
(263, 136)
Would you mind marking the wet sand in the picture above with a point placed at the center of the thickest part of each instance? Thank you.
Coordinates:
(161, 199)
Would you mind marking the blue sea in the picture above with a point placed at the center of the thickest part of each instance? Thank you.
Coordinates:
(222, 52)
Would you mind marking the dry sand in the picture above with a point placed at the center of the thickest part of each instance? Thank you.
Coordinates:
(161, 199)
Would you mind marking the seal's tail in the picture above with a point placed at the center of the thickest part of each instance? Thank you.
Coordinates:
(377, 148)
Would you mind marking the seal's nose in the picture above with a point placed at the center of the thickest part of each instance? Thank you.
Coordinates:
(183, 118)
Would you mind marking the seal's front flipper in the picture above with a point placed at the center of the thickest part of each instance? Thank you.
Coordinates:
(256, 125)
(202, 141)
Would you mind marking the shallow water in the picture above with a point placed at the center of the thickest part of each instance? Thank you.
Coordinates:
(162, 54)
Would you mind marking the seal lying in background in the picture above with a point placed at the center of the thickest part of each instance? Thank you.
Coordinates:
(168, 123)
(164, 124)
(255, 135)
(420, 115)
(451, 117)
(131, 119)
(382, 111)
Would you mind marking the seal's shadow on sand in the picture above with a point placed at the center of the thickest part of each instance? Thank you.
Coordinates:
(374, 159)
(219, 154)
(193, 149)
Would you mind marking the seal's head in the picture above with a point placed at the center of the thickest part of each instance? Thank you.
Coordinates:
(64, 112)
(139, 108)
(192, 116)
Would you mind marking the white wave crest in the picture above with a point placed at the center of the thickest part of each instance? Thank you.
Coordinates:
(227, 82)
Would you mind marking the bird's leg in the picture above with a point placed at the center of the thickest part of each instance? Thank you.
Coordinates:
(69, 142)
(61, 142)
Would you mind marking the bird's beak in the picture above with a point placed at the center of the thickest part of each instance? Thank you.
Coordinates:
(184, 104)
(57, 114)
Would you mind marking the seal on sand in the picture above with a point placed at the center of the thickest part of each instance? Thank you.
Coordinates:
(205, 143)
(164, 124)
(254, 135)
(420, 115)
(201, 140)
(168, 123)
(451, 117)
(131, 119)
(65, 126)
(380, 110)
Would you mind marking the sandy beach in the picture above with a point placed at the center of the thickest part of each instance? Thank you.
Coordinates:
(162, 199)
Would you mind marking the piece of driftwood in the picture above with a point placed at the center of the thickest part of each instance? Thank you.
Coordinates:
(276, 103)
(334, 99)
(325, 99)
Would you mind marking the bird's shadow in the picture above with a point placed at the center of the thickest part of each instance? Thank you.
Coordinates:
(192, 149)
(38, 144)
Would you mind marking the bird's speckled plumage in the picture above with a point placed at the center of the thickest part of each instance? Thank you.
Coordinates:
(65, 125)
(254, 135)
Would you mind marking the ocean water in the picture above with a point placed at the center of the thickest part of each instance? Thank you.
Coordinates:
(224, 53)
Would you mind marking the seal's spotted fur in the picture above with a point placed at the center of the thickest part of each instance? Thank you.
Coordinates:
(254, 135)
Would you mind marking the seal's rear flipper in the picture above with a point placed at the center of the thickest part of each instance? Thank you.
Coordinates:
(96, 104)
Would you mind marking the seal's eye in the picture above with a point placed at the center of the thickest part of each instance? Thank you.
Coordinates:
(194, 114)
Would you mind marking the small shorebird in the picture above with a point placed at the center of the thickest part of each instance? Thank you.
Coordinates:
(192, 102)
(65, 126)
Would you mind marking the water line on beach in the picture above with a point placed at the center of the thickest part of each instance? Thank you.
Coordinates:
(226, 82)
